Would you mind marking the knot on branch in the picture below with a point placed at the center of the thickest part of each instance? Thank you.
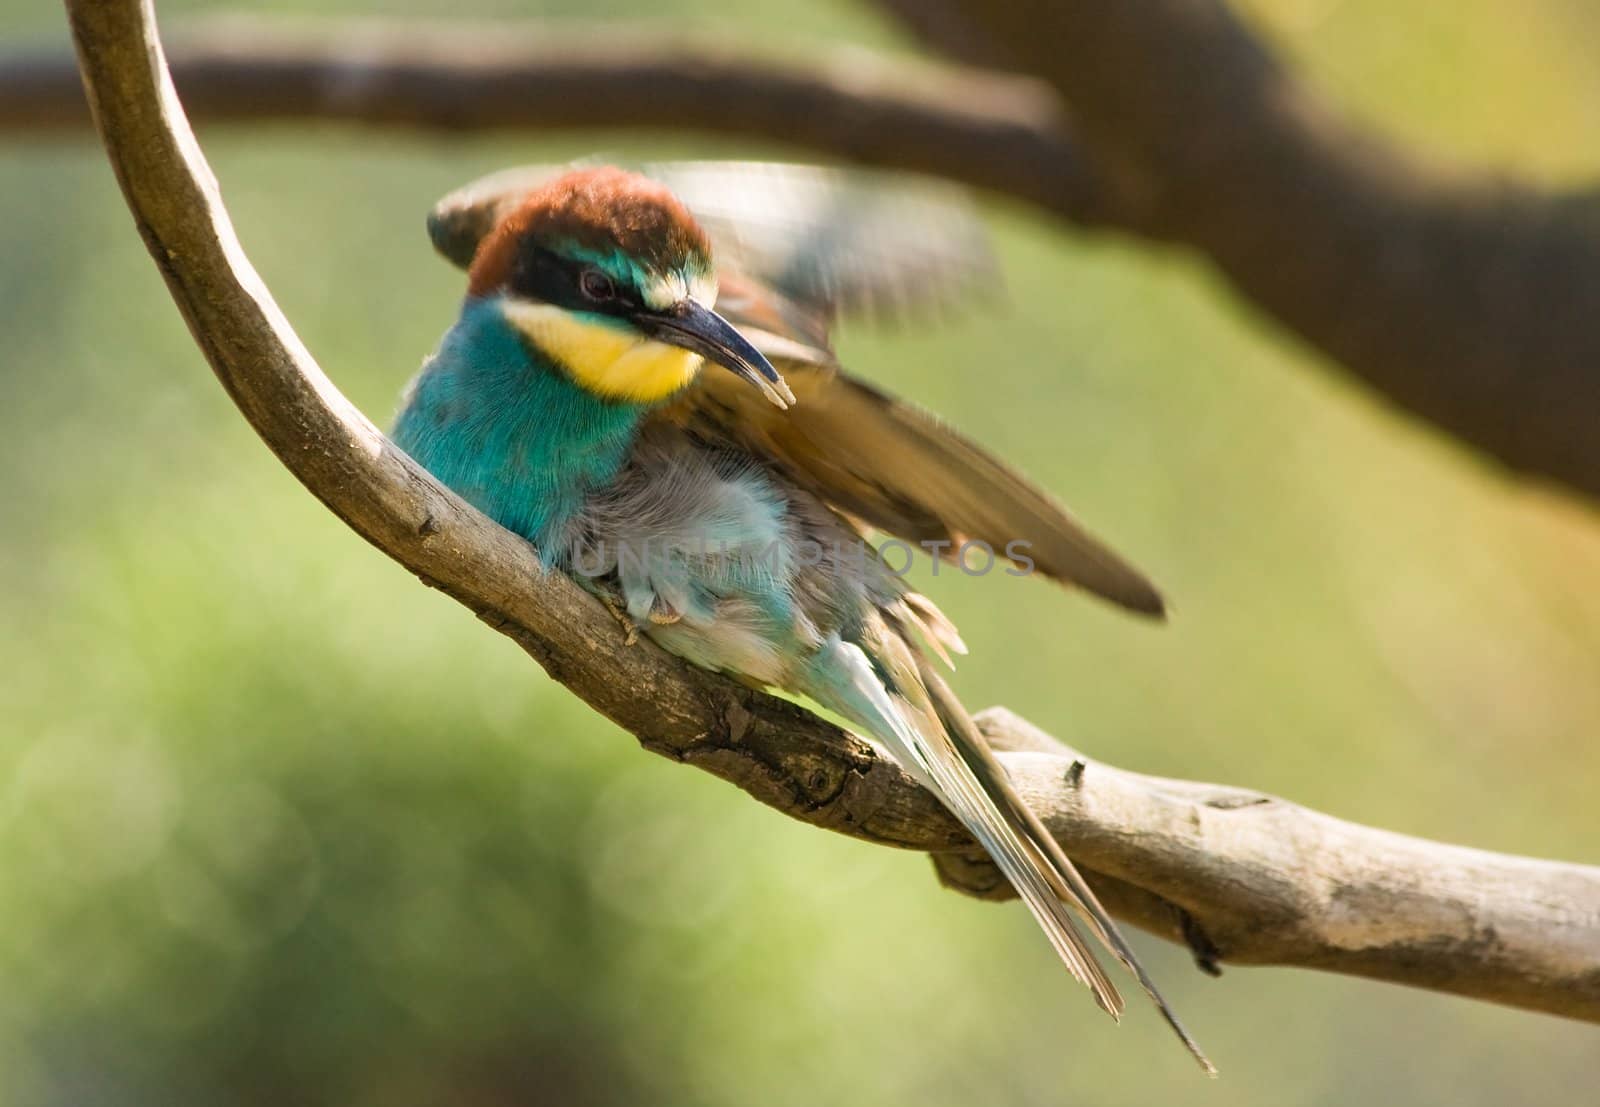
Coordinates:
(972, 875)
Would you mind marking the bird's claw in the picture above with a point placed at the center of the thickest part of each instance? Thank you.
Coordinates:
(630, 629)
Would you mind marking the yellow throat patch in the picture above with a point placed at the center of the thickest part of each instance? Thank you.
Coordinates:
(607, 360)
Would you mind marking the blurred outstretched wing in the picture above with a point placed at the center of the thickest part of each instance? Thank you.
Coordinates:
(829, 241)
(878, 245)
(796, 246)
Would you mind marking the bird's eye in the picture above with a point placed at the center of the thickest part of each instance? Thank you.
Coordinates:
(596, 285)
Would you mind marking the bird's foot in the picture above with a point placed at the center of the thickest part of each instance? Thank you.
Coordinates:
(629, 627)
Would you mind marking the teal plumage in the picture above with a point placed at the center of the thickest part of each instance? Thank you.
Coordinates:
(567, 403)
(519, 441)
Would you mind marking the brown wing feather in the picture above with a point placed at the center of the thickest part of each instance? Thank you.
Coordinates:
(894, 466)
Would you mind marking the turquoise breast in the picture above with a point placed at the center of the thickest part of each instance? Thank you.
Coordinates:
(509, 432)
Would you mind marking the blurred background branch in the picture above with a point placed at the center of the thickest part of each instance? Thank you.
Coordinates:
(1464, 298)
(1236, 875)
(985, 129)
(1468, 299)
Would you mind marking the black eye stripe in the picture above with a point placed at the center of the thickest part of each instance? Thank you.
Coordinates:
(544, 275)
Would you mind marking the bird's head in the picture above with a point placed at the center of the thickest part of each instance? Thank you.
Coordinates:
(608, 275)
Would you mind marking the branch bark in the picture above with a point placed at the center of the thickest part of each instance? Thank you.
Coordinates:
(1466, 299)
(1238, 876)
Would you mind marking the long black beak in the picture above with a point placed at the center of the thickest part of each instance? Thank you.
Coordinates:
(693, 326)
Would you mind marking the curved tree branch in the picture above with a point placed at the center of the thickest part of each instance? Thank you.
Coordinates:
(1238, 876)
(1466, 299)
(1301, 888)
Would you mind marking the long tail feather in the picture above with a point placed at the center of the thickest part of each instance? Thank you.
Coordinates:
(1071, 887)
(845, 679)
(890, 688)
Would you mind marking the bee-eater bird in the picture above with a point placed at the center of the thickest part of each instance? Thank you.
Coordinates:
(592, 399)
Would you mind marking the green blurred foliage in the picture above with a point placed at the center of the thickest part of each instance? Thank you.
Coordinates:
(279, 826)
